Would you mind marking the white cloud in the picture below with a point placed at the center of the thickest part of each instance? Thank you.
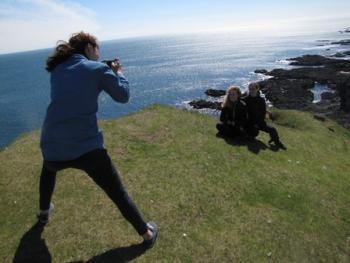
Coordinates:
(33, 24)
(257, 22)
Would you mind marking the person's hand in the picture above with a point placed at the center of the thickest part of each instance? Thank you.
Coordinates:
(116, 66)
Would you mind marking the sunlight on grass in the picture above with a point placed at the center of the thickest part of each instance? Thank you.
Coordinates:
(214, 201)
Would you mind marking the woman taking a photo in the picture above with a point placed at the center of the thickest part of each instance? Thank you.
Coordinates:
(70, 136)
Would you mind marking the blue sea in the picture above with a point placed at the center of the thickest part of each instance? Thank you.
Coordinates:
(164, 69)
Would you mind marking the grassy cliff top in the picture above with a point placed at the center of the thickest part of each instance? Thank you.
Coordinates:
(214, 200)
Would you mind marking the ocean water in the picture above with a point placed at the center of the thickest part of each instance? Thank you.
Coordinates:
(169, 69)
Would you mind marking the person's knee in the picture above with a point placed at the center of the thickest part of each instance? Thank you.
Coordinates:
(219, 126)
(252, 132)
(272, 130)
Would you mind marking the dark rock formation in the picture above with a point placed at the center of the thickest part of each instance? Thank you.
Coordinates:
(339, 55)
(342, 42)
(203, 104)
(215, 92)
(309, 60)
(343, 88)
(346, 30)
(321, 75)
(261, 71)
(326, 72)
(329, 96)
(288, 93)
(291, 88)
(317, 60)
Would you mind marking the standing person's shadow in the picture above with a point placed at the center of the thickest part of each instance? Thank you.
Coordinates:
(121, 254)
(117, 255)
(32, 247)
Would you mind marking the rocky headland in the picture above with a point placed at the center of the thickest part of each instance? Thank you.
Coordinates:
(291, 88)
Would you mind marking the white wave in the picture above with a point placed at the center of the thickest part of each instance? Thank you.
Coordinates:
(261, 76)
(185, 105)
(284, 61)
(318, 89)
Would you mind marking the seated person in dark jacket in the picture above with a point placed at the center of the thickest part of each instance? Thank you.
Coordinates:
(233, 115)
(256, 108)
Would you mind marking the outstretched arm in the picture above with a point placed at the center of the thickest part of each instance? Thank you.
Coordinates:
(115, 84)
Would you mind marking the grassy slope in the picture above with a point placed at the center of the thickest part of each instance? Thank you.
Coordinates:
(214, 201)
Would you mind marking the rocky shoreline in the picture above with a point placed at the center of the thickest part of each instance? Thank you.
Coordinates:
(291, 88)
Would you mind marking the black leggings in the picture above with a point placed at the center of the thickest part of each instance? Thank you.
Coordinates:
(99, 167)
(254, 128)
(269, 129)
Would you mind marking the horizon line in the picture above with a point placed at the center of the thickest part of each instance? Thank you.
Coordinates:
(202, 32)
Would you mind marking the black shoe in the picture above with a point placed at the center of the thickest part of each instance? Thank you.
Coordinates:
(150, 242)
(280, 145)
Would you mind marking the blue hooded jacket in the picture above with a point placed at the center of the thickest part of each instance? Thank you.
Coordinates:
(70, 126)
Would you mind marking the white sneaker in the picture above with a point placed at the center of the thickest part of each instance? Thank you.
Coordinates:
(44, 216)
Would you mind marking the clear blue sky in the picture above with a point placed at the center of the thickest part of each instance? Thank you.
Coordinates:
(40, 23)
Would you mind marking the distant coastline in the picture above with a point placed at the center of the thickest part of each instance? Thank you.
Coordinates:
(294, 88)
(171, 71)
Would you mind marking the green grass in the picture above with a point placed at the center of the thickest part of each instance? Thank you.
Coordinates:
(214, 201)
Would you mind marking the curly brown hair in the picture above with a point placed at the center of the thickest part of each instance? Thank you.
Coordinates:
(64, 50)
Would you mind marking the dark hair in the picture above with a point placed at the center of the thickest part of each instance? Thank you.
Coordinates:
(255, 85)
(64, 50)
